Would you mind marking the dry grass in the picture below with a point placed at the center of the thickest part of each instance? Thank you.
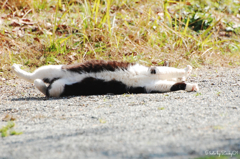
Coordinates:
(35, 33)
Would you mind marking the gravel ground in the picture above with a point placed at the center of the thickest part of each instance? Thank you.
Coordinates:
(170, 125)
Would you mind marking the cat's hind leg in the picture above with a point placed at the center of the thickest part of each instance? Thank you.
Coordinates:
(56, 88)
(40, 85)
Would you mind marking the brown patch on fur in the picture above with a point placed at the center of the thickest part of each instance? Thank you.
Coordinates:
(97, 66)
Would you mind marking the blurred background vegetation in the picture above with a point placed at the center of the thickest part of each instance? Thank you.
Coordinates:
(196, 32)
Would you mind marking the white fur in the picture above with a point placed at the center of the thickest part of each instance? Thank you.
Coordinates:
(40, 86)
(58, 87)
(51, 71)
(135, 76)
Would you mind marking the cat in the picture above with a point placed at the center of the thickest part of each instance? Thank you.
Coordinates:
(98, 77)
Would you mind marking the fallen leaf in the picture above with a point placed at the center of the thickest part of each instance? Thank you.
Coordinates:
(154, 63)
(72, 56)
(26, 20)
(8, 117)
(36, 39)
(48, 25)
(15, 24)
(131, 54)
(238, 16)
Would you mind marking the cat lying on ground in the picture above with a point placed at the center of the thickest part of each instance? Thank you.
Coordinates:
(98, 77)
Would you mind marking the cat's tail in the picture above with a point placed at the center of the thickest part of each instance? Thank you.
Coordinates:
(44, 73)
(21, 73)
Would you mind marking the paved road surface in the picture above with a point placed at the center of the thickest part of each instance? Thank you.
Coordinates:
(171, 125)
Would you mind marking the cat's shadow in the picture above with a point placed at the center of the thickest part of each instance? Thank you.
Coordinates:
(52, 98)
(39, 98)
(69, 97)
(29, 99)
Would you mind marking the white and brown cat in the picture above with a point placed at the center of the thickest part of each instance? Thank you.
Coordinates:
(98, 77)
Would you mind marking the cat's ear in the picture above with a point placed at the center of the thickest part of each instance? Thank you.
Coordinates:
(153, 70)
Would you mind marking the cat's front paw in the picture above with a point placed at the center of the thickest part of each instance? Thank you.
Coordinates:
(186, 74)
(192, 87)
(188, 70)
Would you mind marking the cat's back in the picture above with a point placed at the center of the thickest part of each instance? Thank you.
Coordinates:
(95, 66)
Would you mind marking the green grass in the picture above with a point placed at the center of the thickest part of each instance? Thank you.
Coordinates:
(102, 121)
(8, 130)
(222, 156)
(214, 157)
(161, 108)
(35, 33)
(198, 94)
